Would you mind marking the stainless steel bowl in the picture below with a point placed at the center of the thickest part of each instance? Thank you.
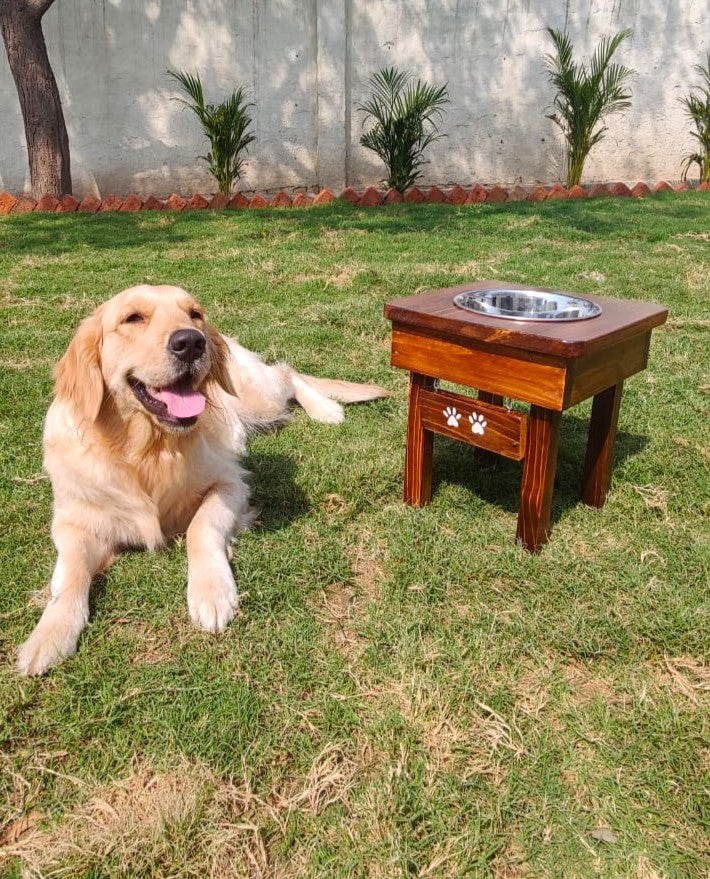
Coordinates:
(527, 305)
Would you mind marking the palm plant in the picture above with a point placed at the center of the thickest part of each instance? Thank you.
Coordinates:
(585, 96)
(224, 125)
(697, 107)
(405, 116)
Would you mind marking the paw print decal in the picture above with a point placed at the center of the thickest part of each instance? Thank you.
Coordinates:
(478, 423)
(452, 416)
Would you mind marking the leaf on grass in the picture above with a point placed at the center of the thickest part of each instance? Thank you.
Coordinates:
(604, 834)
(12, 832)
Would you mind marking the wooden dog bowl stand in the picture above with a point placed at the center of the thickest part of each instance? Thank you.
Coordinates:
(549, 364)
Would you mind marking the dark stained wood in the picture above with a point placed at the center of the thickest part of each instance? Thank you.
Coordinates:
(493, 399)
(550, 366)
(538, 478)
(596, 477)
(496, 429)
(420, 446)
(435, 312)
(602, 369)
(510, 376)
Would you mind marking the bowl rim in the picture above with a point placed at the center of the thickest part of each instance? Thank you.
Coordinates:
(570, 300)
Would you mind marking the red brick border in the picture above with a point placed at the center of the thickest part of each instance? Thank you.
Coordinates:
(371, 197)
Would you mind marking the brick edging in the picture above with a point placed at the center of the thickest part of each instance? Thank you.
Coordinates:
(370, 197)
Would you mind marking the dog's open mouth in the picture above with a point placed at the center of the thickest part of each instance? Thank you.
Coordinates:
(177, 405)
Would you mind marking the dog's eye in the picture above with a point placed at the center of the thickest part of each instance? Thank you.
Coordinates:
(196, 315)
(134, 318)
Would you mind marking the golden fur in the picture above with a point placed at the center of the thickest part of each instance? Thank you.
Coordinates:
(126, 475)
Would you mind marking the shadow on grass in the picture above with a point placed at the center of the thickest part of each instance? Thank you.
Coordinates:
(55, 234)
(600, 217)
(275, 491)
(497, 480)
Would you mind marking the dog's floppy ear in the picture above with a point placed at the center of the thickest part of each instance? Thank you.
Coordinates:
(78, 374)
(219, 357)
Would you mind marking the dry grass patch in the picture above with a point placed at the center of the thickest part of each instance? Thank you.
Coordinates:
(654, 497)
(339, 603)
(585, 686)
(441, 735)
(472, 268)
(329, 780)
(333, 240)
(133, 821)
(344, 277)
(448, 859)
(479, 743)
(24, 363)
(17, 816)
(522, 222)
(146, 645)
(344, 604)
(684, 676)
(185, 822)
(367, 562)
(532, 689)
(340, 279)
(678, 323)
(646, 870)
(596, 276)
(510, 863)
(696, 277)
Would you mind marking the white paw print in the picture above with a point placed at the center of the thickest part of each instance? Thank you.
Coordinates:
(478, 423)
(452, 416)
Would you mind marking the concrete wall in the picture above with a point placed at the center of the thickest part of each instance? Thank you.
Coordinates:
(306, 65)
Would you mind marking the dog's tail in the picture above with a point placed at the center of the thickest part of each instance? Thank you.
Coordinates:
(317, 396)
(346, 392)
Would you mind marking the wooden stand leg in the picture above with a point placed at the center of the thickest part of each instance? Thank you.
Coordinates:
(538, 477)
(420, 447)
(596, 477)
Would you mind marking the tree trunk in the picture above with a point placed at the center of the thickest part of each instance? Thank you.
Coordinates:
(45, 131)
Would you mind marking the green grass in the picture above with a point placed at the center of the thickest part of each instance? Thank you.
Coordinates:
(405, 692)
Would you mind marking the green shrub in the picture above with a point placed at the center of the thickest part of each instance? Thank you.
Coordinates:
(224, 125)
(697, 107)
(585, 96)
(405, 115)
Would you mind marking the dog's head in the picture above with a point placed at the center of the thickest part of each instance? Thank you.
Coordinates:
(152, 351)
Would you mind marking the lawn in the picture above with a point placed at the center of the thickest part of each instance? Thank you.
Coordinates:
(405, 693)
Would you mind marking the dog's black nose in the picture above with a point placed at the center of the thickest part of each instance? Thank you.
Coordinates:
(187, 345)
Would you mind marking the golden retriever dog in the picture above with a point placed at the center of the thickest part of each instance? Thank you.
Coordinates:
(152, 409)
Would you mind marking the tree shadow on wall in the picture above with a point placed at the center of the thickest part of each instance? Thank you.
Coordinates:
(494, 81)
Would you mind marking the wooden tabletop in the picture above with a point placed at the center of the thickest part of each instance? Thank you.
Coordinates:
(435, 313)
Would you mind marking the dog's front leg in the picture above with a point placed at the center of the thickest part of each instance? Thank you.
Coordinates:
(80, 556)
(211, 590)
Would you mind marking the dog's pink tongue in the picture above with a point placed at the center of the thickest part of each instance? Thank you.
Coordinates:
(183, 403)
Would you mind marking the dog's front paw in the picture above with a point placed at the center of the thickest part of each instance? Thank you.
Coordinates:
(42, 650)
(36, 656)
(212, 602)
(54, 637)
